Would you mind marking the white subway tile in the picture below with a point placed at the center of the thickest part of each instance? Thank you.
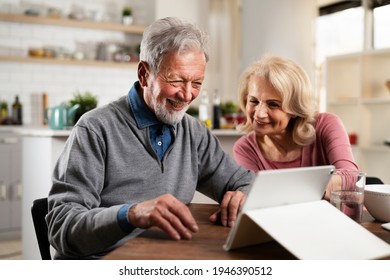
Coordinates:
(21, 77)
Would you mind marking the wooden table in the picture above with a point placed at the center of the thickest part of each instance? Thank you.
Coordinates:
(207, 243)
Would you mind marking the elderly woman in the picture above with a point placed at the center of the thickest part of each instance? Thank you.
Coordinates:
(284, 129)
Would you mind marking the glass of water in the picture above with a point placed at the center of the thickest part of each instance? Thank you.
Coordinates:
(347, 192)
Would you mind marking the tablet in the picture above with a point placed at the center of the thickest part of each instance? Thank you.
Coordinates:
(278, 187)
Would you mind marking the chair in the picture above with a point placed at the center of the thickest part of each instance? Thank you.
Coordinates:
(373, 181)
(39, 210)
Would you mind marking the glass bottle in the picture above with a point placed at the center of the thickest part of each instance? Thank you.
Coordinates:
(204, 109)
(217, 110)
(17, 112)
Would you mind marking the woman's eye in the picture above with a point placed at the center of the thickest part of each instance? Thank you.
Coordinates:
(273, 105)
(254, 101)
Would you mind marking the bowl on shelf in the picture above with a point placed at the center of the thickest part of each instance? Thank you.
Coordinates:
(377, 201)
(388, 85)
(36, 52)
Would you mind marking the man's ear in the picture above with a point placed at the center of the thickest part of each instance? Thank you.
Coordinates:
(143, 73)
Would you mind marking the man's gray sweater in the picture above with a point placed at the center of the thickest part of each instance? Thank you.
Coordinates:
(108, 162)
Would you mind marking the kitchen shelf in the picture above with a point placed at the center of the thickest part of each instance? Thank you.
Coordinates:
(91, 63)
(376, 101)
(343, 102)
(132, 29)
(376, 148)
(356, 92)
(64, 22)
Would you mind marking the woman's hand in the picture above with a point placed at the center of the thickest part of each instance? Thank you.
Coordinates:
(335, 183)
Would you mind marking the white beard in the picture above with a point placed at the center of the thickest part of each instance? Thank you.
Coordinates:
(166, 116)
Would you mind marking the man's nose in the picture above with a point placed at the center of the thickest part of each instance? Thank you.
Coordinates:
(186, 92)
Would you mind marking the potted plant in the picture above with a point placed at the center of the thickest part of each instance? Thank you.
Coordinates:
(3, 111)
(229, 111)
(127, 15)
(87, 102)
(193, 111)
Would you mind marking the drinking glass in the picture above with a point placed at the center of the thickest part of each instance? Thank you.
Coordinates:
(347, 192)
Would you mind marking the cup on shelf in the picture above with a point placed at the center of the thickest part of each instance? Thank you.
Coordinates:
(353, 138)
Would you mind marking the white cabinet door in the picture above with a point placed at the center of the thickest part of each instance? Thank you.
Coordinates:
(16, 186)
(5, 156)
(10, 182)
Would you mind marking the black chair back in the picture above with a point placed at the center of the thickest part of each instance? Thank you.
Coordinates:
(39, 210)
(373, 181)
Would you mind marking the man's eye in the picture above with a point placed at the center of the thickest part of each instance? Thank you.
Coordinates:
(196, 85)
(176, 83)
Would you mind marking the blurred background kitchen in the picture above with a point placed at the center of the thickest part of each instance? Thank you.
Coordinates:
(58, 53)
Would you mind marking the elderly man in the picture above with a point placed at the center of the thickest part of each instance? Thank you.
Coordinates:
(137, 162)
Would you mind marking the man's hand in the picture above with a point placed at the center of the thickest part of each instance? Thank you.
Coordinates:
(230, 206)
(167, 213)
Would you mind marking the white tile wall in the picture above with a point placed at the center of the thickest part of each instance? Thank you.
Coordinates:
(60, 82)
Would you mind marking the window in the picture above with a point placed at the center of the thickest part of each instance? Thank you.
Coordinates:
(381, 27)
(339, 33)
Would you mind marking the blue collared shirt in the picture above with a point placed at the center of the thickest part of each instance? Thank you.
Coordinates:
(160, 138)
(160, 133)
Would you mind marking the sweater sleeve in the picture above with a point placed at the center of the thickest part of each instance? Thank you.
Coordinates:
(218, 169)
(74, 200)
(334, 141)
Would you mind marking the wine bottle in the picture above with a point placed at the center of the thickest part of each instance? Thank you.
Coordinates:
(17, 112)
(217, 111)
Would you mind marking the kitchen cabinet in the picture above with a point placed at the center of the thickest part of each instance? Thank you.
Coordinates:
(10, 185)
(227, 138)
(357, 93)
(64, 22)
(41, 149)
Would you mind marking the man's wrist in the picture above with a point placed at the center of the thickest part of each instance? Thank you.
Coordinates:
(123, 218)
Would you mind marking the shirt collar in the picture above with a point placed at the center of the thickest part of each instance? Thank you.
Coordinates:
(143, 115)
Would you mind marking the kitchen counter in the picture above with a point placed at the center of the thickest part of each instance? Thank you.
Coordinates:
(42, 132)
(227, 132)
(38, 131)
(47, 131)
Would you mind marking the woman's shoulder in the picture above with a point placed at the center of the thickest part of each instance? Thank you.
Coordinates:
(246, 140)
(326, 118)
(328, 124)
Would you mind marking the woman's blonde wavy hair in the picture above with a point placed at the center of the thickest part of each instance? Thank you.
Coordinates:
(294, 88)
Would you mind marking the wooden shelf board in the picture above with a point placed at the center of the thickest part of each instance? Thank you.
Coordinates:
(376, 148)
(343, 102)
(134, 29)
(376, 100)
(93, 63)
